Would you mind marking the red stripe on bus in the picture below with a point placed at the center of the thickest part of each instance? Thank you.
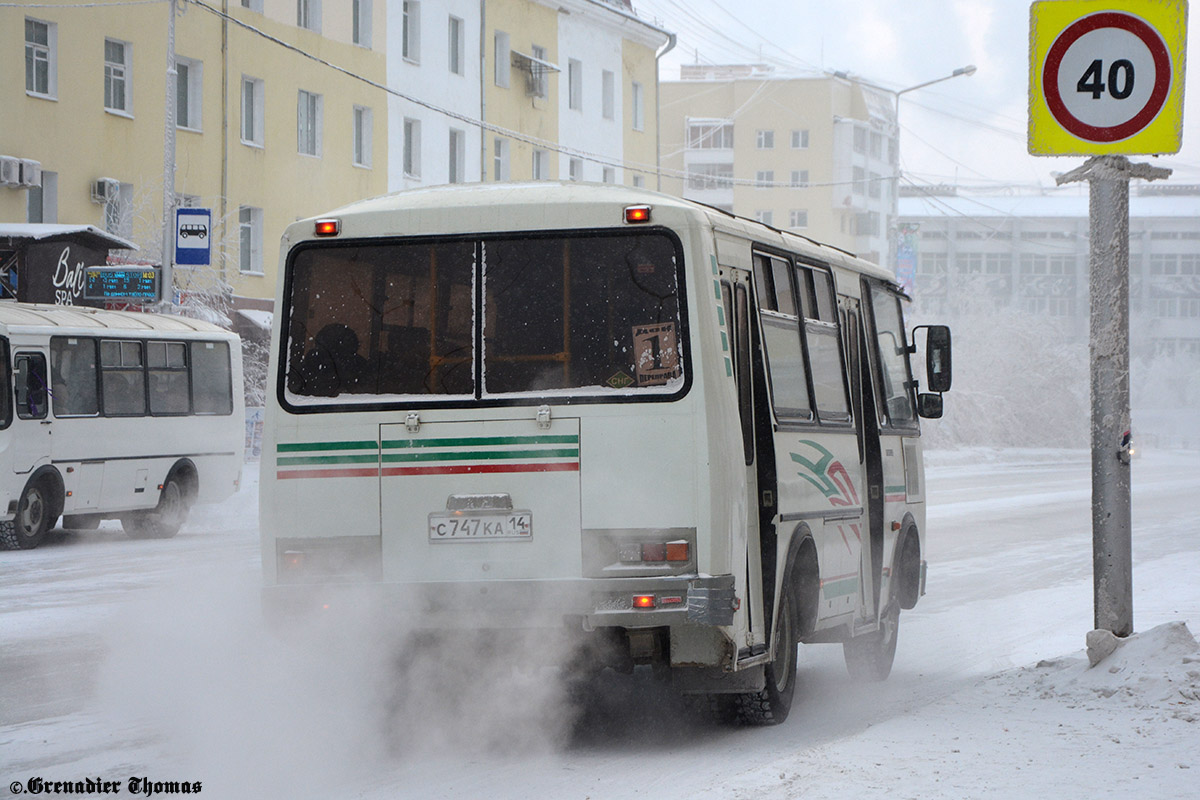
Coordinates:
(895, 498)
(468, 469)
(361, 472)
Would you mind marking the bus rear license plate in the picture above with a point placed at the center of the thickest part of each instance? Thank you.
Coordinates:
(475, 526)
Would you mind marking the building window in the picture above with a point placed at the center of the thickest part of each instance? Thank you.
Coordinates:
(873, 184)
(189, 75)
(412, 148)
(308, 123)
(608, 89)
(765, 217)
(859, 176)
(799, 178)
(252, 111)
(503, 57)
(254, 5)
(609, 175)
(574, 85)
(117, 94)
(860, 139)
(639, 110)
(360, 22)
(639, 181)
(764, 178)
(308, 14)
(41, 66)
(456, 46)
(705, 177)
(458, 154)
(250, 240)
(541, 165)
(43, 199)
(766, 140)
(500, 159)
(800, 140)
(410, 33)
(575, 169)
(876, 145)
(362, 136)
(712, 135)
(541, 86)
(798, 218)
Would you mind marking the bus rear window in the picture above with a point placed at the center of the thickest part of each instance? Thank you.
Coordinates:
(575, 314)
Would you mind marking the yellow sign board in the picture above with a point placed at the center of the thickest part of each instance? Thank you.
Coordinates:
(1106, 76)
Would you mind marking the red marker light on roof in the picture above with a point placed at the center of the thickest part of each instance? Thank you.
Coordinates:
(328, 227)
(637, 213)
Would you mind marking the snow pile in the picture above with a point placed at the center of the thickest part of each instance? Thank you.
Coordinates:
(1158, 670)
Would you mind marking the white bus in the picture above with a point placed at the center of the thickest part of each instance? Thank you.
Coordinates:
(688, 439)
(111, 414)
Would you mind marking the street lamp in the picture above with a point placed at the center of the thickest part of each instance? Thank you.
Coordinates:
(968, 70)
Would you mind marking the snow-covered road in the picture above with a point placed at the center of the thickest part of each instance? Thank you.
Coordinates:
(122, 658)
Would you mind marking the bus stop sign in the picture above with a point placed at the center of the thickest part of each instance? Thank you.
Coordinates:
(1106, 76)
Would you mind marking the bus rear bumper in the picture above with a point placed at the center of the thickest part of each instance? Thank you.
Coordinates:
(587, 603)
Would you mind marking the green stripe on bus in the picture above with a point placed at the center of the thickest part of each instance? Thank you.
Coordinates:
(724, 342)
(721, 315)
(894, 489)
(303, 447)
(480, 440)
(728, 368)
(480, 455)
(296, 461)
(840, 588)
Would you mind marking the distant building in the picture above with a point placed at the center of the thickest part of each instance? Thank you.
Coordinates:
(1030, 252)
(817, 156)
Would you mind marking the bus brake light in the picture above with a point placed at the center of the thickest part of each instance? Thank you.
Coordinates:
(637, 213)
(328, 227)
(643, 601)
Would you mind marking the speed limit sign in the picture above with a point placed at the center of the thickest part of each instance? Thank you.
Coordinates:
(1106, 77)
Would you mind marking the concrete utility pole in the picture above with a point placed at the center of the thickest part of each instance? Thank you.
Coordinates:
(1112, 558)
(168, 235)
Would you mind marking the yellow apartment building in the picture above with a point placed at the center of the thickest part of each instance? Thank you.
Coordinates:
(264, 135)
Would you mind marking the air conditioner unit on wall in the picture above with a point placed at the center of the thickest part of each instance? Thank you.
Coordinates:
(31, 172)
(10, 171)
(105, 189)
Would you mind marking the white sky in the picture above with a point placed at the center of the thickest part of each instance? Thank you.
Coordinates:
(970, 130)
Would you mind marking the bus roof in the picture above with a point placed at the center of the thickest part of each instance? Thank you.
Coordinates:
(42, 317)
(543, 205)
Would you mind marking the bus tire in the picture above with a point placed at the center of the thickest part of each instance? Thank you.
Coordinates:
(34, 510)
(869, 657)
(771, 705)
(165, 520)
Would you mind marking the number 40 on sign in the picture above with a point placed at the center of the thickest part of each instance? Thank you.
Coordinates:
(1106, 76)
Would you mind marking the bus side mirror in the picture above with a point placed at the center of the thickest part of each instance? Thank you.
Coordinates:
(929, 406)
(937, 356)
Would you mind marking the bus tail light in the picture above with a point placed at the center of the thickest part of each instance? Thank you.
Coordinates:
(636, 214)
(643, 601)
(328, 227)
(293, 560)
(678, 551)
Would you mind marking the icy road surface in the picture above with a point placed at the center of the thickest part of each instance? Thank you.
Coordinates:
(123, 658)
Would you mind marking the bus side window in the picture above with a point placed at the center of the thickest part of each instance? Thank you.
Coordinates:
(212, 384)
(73, 376)
(123, 378)
(824, 347)
(893, 376)
(29, 385)
(781, 341)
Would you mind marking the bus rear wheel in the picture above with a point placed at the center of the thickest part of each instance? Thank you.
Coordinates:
(869, 657)
(165, 520)
(33, 519)
(771, 705)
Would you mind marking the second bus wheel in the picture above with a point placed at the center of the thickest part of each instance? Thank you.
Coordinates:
(33, 519)
(165, 519)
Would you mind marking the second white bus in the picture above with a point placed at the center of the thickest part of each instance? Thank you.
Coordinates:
(111, 414)
(682, 438)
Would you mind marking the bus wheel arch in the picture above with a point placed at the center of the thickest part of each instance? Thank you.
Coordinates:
(38, 509)
(179, 491)
(907, 565)
(803, 576)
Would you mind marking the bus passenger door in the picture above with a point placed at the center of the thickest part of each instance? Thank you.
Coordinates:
(862, 398)
(31, 402)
